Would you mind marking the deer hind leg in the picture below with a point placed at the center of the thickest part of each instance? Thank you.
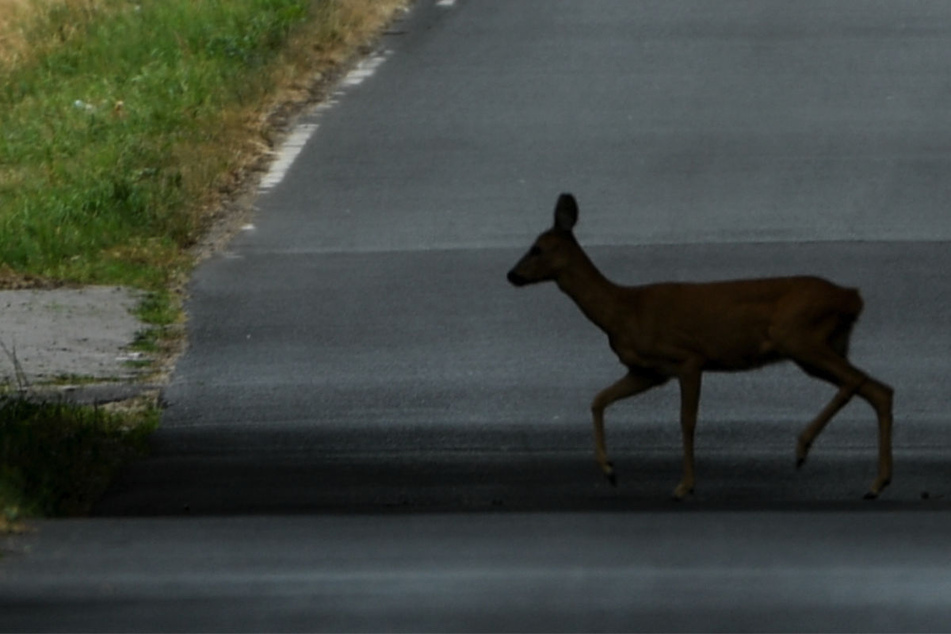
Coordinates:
(879, 396)
(809, 434)
(829, 366)
(633, 383)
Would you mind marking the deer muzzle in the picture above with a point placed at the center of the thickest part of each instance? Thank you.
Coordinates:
(515, 279)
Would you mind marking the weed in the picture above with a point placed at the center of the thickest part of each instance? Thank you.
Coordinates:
(19, 375)
(58, 458)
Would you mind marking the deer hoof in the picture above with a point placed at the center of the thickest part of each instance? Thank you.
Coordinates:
(681, 493)
(608, 469)
(802, 450)
(876, 489)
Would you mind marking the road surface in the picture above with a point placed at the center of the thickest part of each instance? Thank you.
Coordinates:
(372, 430)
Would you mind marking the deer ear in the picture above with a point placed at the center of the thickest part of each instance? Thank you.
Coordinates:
(566, 212)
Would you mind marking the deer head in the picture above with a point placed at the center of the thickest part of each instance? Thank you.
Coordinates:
(552, 250)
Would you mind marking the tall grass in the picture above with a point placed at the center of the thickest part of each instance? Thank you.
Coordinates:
(120, 122)
(58, 459)
(99, 180)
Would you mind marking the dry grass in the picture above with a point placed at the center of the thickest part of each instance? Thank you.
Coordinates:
(18, 16)
(13, 14)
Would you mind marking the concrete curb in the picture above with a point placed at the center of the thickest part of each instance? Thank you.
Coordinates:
(93, 394)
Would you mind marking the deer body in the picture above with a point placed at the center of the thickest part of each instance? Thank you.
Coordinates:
(725, 326)
(679, 330)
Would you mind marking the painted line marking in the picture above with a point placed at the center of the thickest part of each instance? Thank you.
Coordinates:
(294, 144)
(287, 155)
(364, 70)
(447, 4)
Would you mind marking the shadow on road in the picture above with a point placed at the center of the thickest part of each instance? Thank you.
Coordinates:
(310, 471)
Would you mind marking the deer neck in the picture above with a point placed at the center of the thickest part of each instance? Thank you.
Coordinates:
(595, 295)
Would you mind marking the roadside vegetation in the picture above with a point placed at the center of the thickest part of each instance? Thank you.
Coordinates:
(57, 459)
(124, 127)
(125, 122)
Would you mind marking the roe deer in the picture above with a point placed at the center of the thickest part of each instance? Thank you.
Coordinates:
(678, 330)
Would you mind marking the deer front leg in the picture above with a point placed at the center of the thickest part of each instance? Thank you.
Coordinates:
(689, 406)
(634, 382)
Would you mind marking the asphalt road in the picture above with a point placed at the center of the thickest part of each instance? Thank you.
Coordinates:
(372, 430)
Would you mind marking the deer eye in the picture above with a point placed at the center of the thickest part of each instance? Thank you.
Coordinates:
(535, 251)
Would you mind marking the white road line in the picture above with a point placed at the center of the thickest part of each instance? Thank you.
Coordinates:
(287, 155)
(448, 4)
(364, 69)
(292, 147)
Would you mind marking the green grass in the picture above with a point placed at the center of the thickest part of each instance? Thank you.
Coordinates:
(125, 120)
(114, 132)
(57, 459)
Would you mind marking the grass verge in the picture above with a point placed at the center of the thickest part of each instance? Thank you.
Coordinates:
(124, 125)
(56, 459)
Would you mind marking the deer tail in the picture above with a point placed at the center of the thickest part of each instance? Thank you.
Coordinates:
(850, 307)
(852, 304)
